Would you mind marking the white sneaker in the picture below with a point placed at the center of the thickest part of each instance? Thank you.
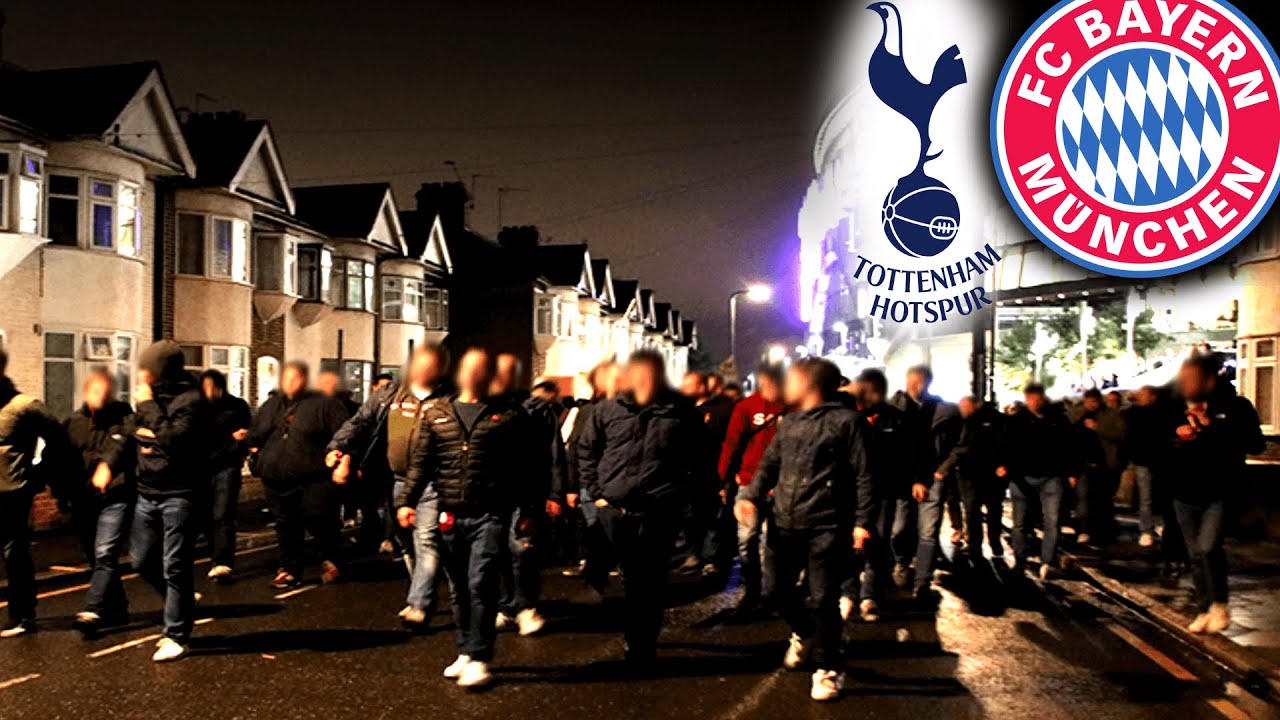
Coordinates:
(412, 615)
(1083, 538)
(474, 674)
(1219, 619)
(1044, 571)
(797, 653)
(198, 597)
(846, 608)
(455, 670)
(869, 611)
(827, 685)
(504, 621)
(219, 571)
(1146, 540)
(1198, 625)
(529, 621)
(168, 650)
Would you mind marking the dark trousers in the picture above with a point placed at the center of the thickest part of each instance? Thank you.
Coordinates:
(1202, 528)
(15, 546)
(308, 508)
(643, 544)
(225, 499)
(520, 579)
(471, 552)
(877, 557)
(104, 531)
(905, 532)
(163, 553)
(823, 557)
(983, 497)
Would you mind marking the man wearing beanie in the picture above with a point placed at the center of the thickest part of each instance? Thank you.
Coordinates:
(168, 435)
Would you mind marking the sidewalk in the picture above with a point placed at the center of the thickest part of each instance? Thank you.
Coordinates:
(1251, 644)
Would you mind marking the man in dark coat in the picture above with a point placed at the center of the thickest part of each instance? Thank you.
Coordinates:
(641, 459)
(974, 459)
(102, 500)
(24, 422)
(709, 524)
(230, 418)
(819, 476)
(288, 439)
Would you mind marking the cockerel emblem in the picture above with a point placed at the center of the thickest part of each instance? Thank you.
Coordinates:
(920, 216)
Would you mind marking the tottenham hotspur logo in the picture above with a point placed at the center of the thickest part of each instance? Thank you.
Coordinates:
(1139, 137)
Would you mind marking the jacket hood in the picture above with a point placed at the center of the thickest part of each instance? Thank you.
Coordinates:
(164, 361)
(7, 390)
(219, 380)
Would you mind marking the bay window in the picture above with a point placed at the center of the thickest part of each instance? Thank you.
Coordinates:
(356, 375)
(25, 171)
(64, 210)
(544, 314)
(1256, 363)
(435, 308)
(275, 264)
(353, 284)
(69, 356)
(100, 213)
(230, 360)
(315, 270)
(213, 246)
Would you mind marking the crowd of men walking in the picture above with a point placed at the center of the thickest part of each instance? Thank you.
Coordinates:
(827, 494)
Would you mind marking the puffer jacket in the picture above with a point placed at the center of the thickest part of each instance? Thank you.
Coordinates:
(496, 466)
(24, 421)
(98, 436)
(546, 416)
(818, 472)
(364, 435)
(291, 435)
(648, 458)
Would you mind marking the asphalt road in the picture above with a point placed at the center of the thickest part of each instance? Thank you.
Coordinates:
(1018, 650)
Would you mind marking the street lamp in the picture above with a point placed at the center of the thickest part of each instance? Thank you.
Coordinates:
(758, 294)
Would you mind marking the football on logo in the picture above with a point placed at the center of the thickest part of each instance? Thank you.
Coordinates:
(1137, 137)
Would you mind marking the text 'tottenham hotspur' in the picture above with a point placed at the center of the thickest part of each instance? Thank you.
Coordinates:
(955, 275)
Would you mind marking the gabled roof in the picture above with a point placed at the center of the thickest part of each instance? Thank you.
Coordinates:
(662, 317)
(426, 240)
(603, 278)
(566, 266)
(689, 329)
(648, 315)
(126, 106)
(238, 155)
(626, 295)
(677, 326)
(356, 212)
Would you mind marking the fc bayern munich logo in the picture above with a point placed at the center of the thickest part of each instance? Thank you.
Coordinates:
(1139, 137)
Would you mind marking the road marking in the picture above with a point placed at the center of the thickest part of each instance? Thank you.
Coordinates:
(298, 591)
(68, 568)
(18, 681)
(136, 642)
(1228, 709)
(1159, 658)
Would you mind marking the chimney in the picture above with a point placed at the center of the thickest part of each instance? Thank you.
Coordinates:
(446, 199)
(519, 238)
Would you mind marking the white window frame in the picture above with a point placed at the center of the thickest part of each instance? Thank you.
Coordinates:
(438, 298)
(29, 208)
(239, 267)
(1248, 362)
(126, 216)
(287, 246)
(323, 269)
(544, 305)
(120, 358)
(341, 283)
(234, 365)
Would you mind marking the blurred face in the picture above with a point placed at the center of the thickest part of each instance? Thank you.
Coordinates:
(769, 389)
(1195, 384)
(328, 384)
(642, 380)
(1035, 402)
(292, 381)
(1113, 400)
(380, 384)
(967, 407)
(608, 381)
(506, 374)
(797, 389)
(97, 391)
(916, 384)
(693, 385)
(714, 385)
(210, 389)
(424, 369)
(546, 394)
(1092, 404)
(145, 377)
(869, 395)
(474, 375)
(1144, 396)
(733, 392)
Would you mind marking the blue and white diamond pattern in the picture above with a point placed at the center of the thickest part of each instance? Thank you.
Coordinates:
(1142, 127)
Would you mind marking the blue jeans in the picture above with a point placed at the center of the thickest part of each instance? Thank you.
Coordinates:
(163, 552)
(1202, 528)
(1144, 484)
(1050, 491)
(426, 554)
(106, 592)
(471, 552)
(520, 582)
(226, 497)
(929, 523)
(756, 576)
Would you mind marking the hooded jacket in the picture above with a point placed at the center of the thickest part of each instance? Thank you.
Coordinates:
(23, 422)
(818, 471)
(1207, 466)
(175, 460)
(751, 428)
(98, 436)
(493, 467)
(227, 415)
(291, 435)
(546, 416)
(644, 458)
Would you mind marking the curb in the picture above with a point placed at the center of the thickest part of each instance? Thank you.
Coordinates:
(1259, 675)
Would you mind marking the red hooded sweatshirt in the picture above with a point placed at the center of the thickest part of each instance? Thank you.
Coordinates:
(754, 422)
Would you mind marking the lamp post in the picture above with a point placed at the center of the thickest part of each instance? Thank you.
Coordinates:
(757, 294)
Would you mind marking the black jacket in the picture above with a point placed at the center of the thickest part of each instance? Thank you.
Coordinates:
(818, 471)
(176, 459)
(546, 416)
(1044, 446)
(291, 435)
(933, 426)
(98, 437)
(1146, 433)
(976, 453)
(24, 421)
(228, 414)
(1208, 466)
(644, 458)
(492, 468)
(885, 433)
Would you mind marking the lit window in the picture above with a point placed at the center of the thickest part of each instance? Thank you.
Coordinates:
(544, 315)
(354, 287)
(129, 233)
(315, 266)
(229, 257)
(435, 308)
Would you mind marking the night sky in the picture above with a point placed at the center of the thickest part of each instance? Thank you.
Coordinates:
(673, 137)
